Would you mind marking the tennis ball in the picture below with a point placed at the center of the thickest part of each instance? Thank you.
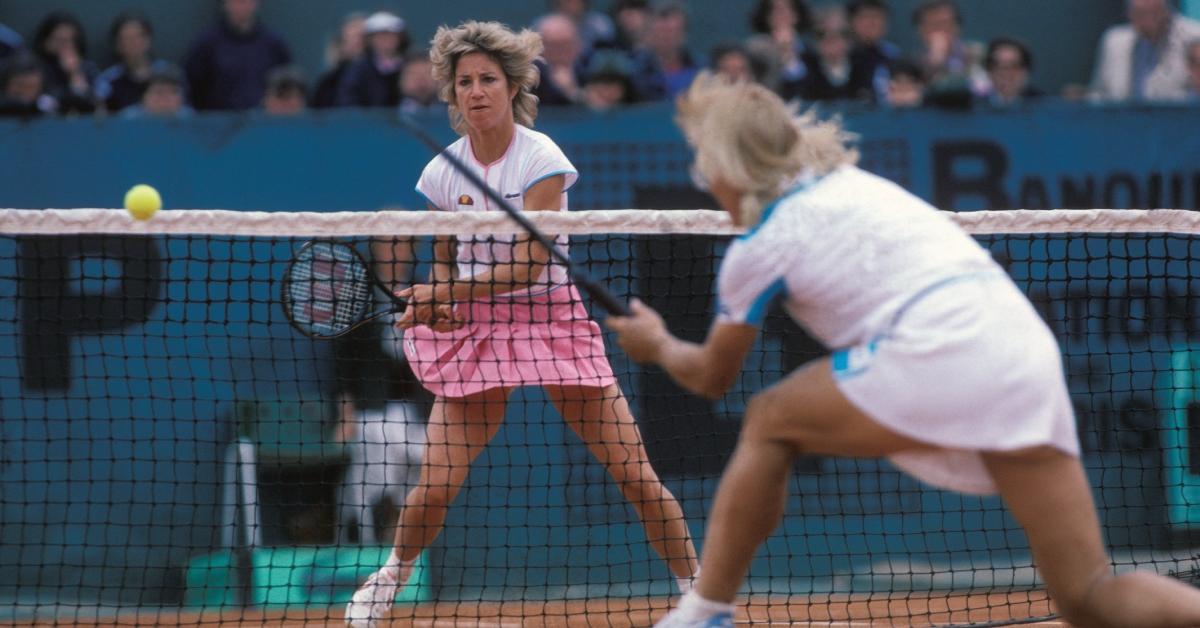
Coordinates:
(142, 201)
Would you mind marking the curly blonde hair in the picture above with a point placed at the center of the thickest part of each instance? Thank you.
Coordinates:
(513, 52)
(745, 135)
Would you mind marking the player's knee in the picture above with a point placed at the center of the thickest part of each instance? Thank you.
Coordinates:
(766, 418)
(431, 496)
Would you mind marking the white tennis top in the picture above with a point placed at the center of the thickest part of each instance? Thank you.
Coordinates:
(846, 251)
(530, 158)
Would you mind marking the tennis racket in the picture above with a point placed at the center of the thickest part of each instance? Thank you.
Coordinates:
(329, 290)
(598, 292)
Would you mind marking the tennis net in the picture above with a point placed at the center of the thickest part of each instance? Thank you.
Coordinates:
(171, 447)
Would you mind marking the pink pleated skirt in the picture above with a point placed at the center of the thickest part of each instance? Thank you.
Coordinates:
(507, 342)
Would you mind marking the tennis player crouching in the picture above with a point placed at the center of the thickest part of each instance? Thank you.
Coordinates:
(946, 368)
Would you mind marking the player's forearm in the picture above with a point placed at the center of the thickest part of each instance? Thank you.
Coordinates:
(690, 366)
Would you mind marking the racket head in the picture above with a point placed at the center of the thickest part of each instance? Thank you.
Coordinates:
(327, 289)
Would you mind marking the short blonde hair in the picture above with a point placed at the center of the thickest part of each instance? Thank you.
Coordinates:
(748, 137)
(513, 52)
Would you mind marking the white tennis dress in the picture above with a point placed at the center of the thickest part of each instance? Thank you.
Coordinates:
(931, 337)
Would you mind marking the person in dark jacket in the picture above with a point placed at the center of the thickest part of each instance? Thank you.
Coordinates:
(69, 76)
(374, 80)
(131, 37)
(227, 65)
(343, 50)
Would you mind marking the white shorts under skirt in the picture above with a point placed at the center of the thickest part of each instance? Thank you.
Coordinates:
(968, 366)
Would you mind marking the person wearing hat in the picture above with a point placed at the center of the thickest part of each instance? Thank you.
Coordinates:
(374, 80)
(607, 82)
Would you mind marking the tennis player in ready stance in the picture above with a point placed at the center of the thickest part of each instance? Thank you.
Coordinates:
(518, 320)
(944, 366)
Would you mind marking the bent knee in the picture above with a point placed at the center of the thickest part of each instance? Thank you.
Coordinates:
(769, 418)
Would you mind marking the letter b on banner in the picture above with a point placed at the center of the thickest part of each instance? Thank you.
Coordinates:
(80, 285)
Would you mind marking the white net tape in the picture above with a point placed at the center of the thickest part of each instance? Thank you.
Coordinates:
(633, 221)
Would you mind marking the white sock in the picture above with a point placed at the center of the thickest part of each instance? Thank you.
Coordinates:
(687, 582)
(405, 566)
(694, 608)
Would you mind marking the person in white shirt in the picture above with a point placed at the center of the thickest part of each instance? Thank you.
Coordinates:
(1145, 60)
(498, 313)
(940, 363)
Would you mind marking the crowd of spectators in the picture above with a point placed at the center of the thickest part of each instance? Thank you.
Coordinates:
(637, 52)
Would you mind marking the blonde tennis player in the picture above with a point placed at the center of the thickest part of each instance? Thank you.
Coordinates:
(518, 320)
(942, 365)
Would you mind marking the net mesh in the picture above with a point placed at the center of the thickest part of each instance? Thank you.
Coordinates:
(173, 452)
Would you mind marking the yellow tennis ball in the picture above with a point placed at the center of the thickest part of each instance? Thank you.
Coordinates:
(142, 201)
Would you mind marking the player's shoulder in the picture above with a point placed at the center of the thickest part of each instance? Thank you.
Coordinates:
(440, 166)
(531, 142)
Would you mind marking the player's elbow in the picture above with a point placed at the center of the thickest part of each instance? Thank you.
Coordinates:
(714, 385)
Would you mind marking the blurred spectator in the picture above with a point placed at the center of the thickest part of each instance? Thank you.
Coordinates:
(374, 80)
(418, 86)
(950, 64)
(632, 19)
(1192, 54)
(131, 38)
(607, 82)
(228, 63)
(1144, 59)
(287, 92)
(668, 41)
(869, 22)
(22, 88)
(561, 69)
(593, 27)
(733, 63)
(780, 27)
(162, 96)
(906, 84)
(10, 42)
(341, 52)
(831, 74)
(62, 47)
(1009, 64)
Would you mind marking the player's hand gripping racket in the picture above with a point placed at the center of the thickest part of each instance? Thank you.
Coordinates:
(598, 292)
(329, 290)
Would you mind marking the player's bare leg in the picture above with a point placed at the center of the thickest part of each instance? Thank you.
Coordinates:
(457, 432)
(1048, 493)
(602, 419)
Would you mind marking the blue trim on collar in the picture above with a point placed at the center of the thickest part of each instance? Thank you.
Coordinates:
(770, 208)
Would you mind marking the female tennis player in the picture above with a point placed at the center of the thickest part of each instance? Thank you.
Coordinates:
(942, 365)
(518, 320)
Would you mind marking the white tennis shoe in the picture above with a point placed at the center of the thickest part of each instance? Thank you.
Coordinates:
(373, 601)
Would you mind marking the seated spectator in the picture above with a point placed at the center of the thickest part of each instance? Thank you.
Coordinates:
(906, 85)
(343, 49)
(632, 20)
(287, 92)
(950, 64)
(227, 65)
(22, 88)
(1144, 59)
(869, 21)
(593, 27)
(121, 85)
(607, 81)
(10, 42)
(778, 42)
(561, 64)
(668, 41)
(374, 80)
(831, 74)
(734, 63)
(1009, 64)
(62, 48)
(163, 95)
(1193, 60)
(418, 85)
